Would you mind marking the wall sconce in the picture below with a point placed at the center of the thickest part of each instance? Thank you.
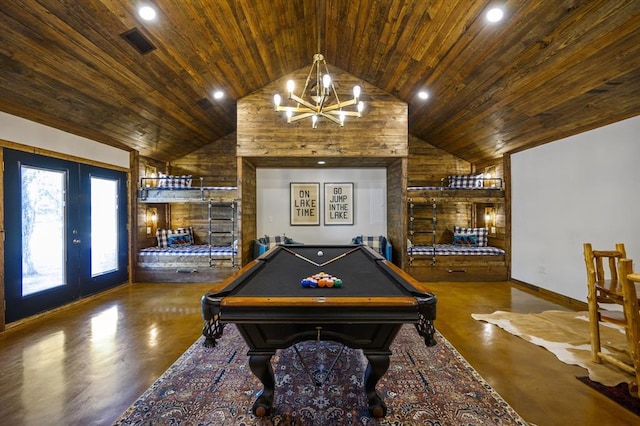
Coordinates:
(490, 219)
(150, 175)
(152, 220)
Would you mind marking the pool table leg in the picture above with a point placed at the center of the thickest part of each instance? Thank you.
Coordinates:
(377, 367)
(260, 365)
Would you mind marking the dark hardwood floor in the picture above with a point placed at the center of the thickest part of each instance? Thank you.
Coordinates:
(86, 363)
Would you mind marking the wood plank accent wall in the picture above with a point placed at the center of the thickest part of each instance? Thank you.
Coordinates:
(428, 164)
(397, 209)
(382, 131)
(215, 162)
(248, 207)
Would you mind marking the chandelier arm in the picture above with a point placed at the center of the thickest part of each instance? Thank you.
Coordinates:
(332, 118)
(293, 109)
(339, 113)
(304, 102)
(340, 105)
(300, 117)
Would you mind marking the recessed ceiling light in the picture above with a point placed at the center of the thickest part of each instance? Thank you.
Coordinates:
(321, 162)
(495, 14)
(147, 13)
(423, 94)
(218, 94)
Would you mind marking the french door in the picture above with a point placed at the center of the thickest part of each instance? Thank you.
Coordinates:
(65, 231)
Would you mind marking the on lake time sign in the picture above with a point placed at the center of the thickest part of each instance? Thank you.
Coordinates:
(305, 203)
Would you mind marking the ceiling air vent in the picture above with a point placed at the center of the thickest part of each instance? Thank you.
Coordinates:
(204, 103)
(136, 39)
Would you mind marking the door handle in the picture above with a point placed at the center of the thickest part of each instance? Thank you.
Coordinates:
(76, 241)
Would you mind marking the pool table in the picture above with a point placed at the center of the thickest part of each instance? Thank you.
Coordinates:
(272, 310)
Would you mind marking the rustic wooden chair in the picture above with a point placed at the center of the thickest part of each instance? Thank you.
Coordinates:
(603, 288)
(628, 282)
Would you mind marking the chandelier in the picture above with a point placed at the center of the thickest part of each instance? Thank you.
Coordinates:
(319, 97)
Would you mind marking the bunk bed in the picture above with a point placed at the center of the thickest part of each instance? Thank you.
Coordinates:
(448, 240)
(183, 248)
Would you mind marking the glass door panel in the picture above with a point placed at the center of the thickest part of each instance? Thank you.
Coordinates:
(103, 221)
(104, 226)
(41, 259)
(43, 229)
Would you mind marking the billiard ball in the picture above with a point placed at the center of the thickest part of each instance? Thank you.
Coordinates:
(320, 253)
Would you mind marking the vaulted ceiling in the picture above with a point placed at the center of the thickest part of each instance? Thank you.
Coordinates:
(550, 69)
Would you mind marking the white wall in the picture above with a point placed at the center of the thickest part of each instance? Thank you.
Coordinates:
(585, 188)
(370, 203)
(25, 132)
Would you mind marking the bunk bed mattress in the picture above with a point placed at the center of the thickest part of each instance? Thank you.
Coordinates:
(454, 250)
(188, 254)
(193, 193)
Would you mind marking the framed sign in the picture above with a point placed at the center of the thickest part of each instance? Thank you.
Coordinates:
(305, 203)
(338, 203)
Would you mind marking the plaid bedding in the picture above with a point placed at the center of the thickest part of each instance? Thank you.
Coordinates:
(194, 250)
(454, 250)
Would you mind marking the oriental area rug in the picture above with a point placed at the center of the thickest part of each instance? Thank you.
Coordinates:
(424, 385)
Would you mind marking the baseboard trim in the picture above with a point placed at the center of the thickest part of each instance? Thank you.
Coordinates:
(551, 296)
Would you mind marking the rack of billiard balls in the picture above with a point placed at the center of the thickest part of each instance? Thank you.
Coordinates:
(321, 279)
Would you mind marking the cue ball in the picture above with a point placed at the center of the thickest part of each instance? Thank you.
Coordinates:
(320, 253)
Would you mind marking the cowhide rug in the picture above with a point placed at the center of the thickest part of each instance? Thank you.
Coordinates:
(566, 335)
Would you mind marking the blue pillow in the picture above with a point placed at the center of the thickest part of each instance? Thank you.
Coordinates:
(465, 240)
(179, 240)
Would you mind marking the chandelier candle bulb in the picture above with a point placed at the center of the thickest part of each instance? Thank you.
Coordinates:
(326, 82)
(290, 86)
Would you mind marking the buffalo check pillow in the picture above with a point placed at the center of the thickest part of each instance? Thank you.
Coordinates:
(273, 240)
(169, 181)
(466, 181)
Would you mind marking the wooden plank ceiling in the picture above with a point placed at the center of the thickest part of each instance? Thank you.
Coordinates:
(552, 68)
